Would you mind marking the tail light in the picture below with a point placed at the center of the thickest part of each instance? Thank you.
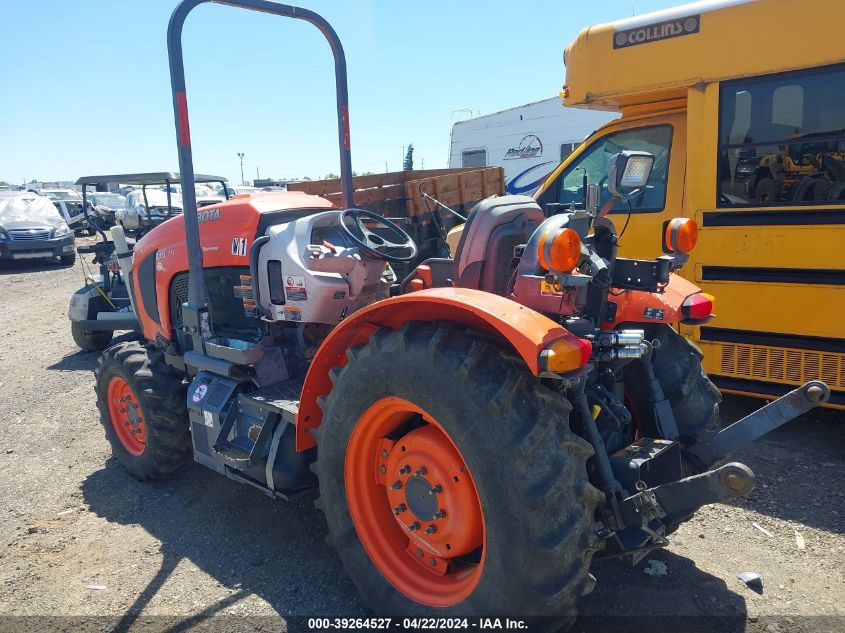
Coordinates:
(566, 354)
(681, 235)
(112, 265)
(560, 253)
(698, 306)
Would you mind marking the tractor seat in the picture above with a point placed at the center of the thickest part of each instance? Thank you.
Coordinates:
(496, 225)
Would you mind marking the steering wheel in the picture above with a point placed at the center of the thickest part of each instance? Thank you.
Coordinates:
(373, 243)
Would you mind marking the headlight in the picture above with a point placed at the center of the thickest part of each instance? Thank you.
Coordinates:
(3, 236)
(61, 231)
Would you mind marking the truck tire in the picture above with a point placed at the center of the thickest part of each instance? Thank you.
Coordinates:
(90, 340)
(454, 425)
(143, 410)
(694, 398)
(822, 189)
(803, 191)
(766, 190)
(68, 260)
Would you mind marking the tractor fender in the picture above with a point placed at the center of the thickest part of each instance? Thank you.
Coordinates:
(526, 331)
(639, 306)
(78, 310)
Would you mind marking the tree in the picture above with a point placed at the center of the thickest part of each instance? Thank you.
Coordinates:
(331, 175)
(408, 165)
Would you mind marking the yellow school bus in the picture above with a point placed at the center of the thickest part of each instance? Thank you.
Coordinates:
(743, 105)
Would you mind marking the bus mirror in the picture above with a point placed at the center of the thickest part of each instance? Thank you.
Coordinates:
(628, 173)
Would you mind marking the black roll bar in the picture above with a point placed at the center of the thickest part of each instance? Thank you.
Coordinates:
(196, 285)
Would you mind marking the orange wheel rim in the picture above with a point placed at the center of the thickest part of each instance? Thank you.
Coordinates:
(414, 503)
(127, 420)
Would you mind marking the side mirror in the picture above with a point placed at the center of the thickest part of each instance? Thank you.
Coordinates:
(628, 173)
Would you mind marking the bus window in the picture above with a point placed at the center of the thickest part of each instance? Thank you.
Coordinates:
(594, 162)
(782, 139)
(474, 158)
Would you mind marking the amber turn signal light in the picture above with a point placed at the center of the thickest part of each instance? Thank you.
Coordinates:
(561, 252)
(681, 235)
(566, 354)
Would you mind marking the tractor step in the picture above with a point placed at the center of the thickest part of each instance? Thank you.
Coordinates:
(259, 411)
(232, 455)
(281, 398)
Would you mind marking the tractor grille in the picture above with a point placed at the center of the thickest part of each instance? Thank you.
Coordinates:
(218, 395)
(782, 365)
(178, 296)
(23, 235)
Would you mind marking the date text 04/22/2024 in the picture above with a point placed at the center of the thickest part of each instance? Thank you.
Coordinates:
(416, 624)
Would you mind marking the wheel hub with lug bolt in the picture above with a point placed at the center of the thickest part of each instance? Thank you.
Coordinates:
(126, 416)
(434, 502)
(430, 547)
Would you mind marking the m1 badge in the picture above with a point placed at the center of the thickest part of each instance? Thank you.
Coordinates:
(239, 246)
(658, 31)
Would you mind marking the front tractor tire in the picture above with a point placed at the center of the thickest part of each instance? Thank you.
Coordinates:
(90, 340)
(451, 481)
(142, 408)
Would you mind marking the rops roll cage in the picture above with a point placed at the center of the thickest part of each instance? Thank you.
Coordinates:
(196, 285)
(144, 180)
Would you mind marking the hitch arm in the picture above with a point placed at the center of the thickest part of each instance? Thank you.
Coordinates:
(762, 421)
(685, 496)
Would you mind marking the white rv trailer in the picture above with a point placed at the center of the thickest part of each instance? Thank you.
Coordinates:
(529, 141)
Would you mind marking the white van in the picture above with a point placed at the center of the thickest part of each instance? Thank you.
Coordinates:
(528, 141)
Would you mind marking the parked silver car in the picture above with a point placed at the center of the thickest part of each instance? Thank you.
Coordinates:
(31, 228)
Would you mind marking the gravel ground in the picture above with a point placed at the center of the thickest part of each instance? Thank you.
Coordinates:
(79, 537)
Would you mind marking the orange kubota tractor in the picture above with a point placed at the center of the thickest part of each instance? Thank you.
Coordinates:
(479, 431)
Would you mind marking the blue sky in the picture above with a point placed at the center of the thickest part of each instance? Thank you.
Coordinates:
(86, 88)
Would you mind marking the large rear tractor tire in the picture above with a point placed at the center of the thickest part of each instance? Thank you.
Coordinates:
(694, 398)
(143, 411)
(90, 340)
(450, 480)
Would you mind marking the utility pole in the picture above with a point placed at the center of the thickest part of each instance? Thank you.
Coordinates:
(257, 175)
(241, 156)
